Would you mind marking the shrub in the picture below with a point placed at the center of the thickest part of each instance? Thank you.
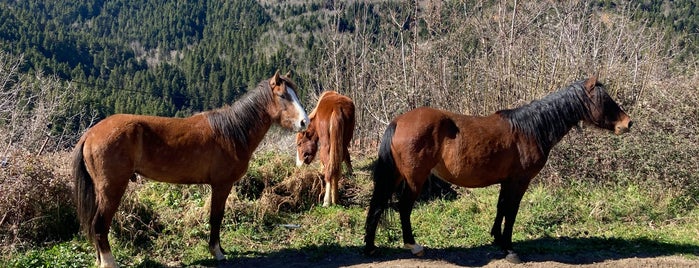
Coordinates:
(36, 204)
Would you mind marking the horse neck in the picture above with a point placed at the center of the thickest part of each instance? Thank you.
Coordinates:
(548, 120)
(244, 124)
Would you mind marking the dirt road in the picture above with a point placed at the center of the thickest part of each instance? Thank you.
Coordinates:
(485, 256)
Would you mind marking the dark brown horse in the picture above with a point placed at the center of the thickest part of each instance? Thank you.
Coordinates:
(212, 148)
(331, 129)
(508, 147)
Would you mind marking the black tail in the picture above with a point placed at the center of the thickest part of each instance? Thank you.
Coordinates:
(84, 191)
(385, 173)
(385, 170)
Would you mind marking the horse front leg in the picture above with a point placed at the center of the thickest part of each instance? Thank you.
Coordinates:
(219, 194)
(496, 231)
(513, 192)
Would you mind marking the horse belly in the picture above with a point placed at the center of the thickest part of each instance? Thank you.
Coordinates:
(185, 165)
(484, 169)
(471, 179)
(172, 171)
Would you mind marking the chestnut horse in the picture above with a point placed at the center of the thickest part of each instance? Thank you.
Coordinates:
(212, 148)
(508, 147)
(331, 129)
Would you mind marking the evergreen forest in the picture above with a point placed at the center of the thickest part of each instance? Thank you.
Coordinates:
(176, 58)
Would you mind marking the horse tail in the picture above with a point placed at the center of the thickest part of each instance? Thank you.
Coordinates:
(384, 175)
(336, 126)
(84, 191)
(385, 170)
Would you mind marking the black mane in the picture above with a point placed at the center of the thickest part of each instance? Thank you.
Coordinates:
(233, 122)
(547, 120)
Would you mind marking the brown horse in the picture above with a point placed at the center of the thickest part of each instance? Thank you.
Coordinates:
(331, 129)
(212, 148)
(508, 147)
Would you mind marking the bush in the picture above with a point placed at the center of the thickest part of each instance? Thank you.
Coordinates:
(36, 204)
(135, 222)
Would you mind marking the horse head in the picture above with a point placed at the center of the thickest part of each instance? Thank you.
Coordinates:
(306, 146)
(287, 106)
(604, 112)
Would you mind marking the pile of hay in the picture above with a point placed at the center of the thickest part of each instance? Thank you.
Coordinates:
(305, 188)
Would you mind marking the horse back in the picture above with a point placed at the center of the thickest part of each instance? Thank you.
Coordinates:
(334, 111)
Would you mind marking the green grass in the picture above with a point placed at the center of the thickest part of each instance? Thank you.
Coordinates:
(164, 224)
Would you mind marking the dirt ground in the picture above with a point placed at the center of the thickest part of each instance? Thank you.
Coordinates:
(479, 257)
(631, 262)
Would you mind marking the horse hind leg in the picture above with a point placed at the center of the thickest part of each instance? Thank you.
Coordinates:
(334, 191)
(348, 162)
(105, 258)
(407, 201)
(109, 198)
(331, 175)
(383, 190)
(327, 198)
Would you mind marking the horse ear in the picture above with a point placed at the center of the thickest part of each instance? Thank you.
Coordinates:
(591, 83)
(275, 79)
(288, 74)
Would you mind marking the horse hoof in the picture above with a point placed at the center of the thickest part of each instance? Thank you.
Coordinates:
(369, 250)
(512, 257)
(420, 253)
(217, 252)
(416, 249)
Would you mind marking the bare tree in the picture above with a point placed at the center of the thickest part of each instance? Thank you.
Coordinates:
(28, 105)
(475, 58)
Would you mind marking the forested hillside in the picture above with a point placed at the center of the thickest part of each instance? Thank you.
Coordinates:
(162, 57)
(174, 58)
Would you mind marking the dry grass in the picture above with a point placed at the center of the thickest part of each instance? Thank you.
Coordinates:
(305, 188)
(36, 204)
(296, 193)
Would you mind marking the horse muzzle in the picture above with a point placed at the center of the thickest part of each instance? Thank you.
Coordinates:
(301, 123)
(623, 127)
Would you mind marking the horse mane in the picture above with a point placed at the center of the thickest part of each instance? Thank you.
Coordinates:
(232, 122)
(548, 119)
(320, 98)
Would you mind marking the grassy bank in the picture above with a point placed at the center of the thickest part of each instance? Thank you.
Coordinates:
(161, 224)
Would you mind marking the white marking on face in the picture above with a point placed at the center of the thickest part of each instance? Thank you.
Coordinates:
(299, 162)
(302, 122)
